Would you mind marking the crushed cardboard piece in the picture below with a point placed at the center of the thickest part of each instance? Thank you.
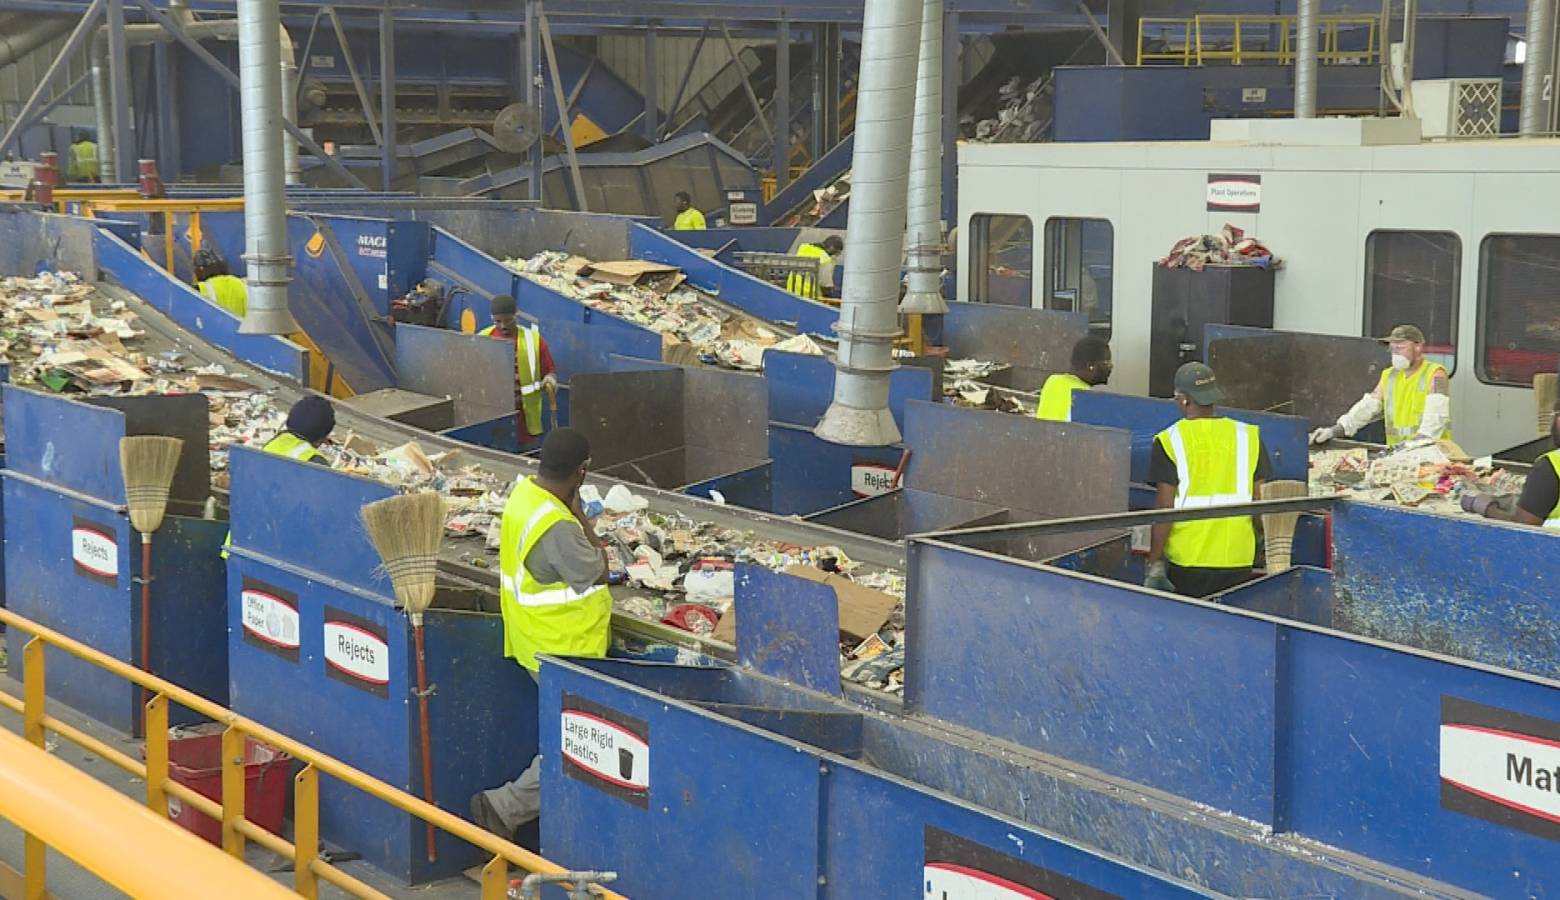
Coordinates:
(863, 610)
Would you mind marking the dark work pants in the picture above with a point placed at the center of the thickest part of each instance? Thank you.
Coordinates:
(1197, 582)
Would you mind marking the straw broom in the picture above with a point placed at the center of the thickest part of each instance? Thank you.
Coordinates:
(1278, 529)
(147, 463)
(407, 531)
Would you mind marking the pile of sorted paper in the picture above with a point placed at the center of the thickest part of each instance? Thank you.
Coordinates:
(652, 295)
(61, 334)
(1431, 475)
(1230, 247)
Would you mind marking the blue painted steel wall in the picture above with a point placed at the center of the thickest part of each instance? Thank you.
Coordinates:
(801, 387)
(296, 530)
(752, 295)
(810, 474)
(1284, 438)
(756, 239)
(799, 642)
(1126, 103)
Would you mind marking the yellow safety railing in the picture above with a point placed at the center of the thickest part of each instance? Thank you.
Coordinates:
(1241, 39)
(309, 869)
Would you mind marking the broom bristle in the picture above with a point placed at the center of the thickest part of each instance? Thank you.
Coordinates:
(1546, 390)
(407, 531)
(1278, 529)
(148, 463)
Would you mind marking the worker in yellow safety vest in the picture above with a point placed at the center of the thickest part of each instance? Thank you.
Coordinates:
(688, 218)
(216, 284)
(1204, 460)
(535, 371)
(1091, 367)
(83, 160)
(309, 422)
(1413, 396)
(552, 595)
(805, 285)
(1539, 503)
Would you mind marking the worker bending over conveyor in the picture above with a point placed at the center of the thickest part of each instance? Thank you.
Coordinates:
(1204, 460)
(824, 252)
(1540, 500)
(1091, 367)
(217, 284)
(552, 594)
(534, 367)
(1412, 397)
(309, 423)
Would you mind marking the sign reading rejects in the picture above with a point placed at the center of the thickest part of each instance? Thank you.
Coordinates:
(606, 750)
(356, 652)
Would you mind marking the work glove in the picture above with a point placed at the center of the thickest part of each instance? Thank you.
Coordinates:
(1158, 577)
(1324, 434)
(1478, 504)
(550, 381)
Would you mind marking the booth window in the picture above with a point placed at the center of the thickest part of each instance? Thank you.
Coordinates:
(1519, 307)
(1002, 251)
(1079, 258)
(1412, 278)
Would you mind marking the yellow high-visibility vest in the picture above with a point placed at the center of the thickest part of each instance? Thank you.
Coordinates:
(689, 219)
(1403, 401)
(83, 160)
(1057, 395)
(1216, 465)
(1553, 519)
(544, 618)
(228, 292)
(806, 285)
(528, 377)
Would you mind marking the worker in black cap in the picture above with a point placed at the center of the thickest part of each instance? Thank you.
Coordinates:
(1204, 460)
(309, 423)
(1539, 503)
(804, 284)
(1413, 396)
(552, 594)
(216, 284)
(535, 371)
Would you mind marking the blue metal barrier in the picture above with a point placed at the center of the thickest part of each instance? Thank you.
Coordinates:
(1285, 438)
(73, 561)
(801, 387)
(829, 167)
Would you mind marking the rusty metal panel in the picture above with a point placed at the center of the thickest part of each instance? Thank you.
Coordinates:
(628, 415)
(728, 411)
(1318, 376)
(1035, 342)
(477, 372)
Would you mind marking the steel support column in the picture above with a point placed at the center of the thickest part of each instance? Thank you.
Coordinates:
(1121, 26)
(747, 83)
(119, 92)
(166, 63)
(950, 124)
(682, 86)
(352, 70)
(652, 104)
(815, 145)
(829, 49)
(533, 90)
(580, 202)
(387, 143)
(782, 104)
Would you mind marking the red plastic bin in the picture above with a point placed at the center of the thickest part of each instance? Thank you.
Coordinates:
(195, 761)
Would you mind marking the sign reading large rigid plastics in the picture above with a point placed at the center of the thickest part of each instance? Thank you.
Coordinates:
(94, 551)
(270, 618)
(356, 652)
(1501, 766)
(959, 869)
(606, 749)
(1235, 193)
(870, 479)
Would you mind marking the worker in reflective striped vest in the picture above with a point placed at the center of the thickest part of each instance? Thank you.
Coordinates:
(309, 423)
(1091, 367)
(216, 284)
(688, 218)
(83, 168)
(805, 284)
(552, 595)
(1413, 396)
(1204, 460)
(534, 368)
(1540, 500)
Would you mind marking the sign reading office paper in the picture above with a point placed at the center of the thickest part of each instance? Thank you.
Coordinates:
(955, 868)
(94, 551)
(1501, 766)
(270, 618)
(871, 479)
(356, 652)
(606, 749)
(1235, 193)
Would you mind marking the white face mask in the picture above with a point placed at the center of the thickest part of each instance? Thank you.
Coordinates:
(1399, 362)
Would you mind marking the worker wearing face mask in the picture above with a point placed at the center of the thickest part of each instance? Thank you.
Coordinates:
(1540, 501)
(1412, 397)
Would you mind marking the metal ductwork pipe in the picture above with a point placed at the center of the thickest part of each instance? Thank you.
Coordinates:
(15, 46)
(290, 168)
(875, 228)
(1306, 26)
(265, 198)
(105, 123)
(924, 236)
(1536, 68)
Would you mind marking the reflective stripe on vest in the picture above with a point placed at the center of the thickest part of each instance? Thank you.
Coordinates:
(539, 617)
(1215, 463)
(805, 285)
(1403, 401)
(528, 374)
(1057, 395)
(1553, 521)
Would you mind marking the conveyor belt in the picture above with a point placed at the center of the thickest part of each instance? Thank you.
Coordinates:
(873, 553)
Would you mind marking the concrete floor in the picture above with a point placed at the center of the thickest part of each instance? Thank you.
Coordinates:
(67, 881)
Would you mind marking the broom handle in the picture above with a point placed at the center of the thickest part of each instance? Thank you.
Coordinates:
(427, 749)
(146, 621)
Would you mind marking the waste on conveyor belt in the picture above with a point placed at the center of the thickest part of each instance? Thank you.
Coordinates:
(652, 295)
(1230, 247)
(1430, 475)
(1023, 113)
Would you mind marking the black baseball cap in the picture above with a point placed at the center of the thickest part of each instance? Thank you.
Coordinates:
(1198, 382)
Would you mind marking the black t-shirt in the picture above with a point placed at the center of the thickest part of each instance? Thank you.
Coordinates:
(1161, 468)
(1542, 489)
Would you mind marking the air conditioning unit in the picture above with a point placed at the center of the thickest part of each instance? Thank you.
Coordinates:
(1458, 107)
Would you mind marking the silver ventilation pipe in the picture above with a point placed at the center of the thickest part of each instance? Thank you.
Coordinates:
(15, 46)
(105, 122)
(875, 228)
(1536, 68)
(924, 236)
(1305, 59)
(265, 198)
(293, 174)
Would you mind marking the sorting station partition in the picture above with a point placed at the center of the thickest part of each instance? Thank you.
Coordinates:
(318, 650)
(73, 561)
(1316, 376)
(1033, 343)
